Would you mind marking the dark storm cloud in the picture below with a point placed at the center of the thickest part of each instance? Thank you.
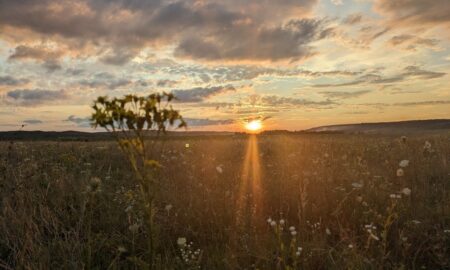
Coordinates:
(199, 94)
(35, 96)
(211, 30)
(195, 122)
(12, 81)
(417, 12)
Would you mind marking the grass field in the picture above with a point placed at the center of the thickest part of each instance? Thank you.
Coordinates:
(231, 202)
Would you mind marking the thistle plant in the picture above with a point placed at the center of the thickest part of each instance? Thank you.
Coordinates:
(130, 120)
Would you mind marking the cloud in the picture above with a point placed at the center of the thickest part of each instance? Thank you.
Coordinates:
(352, 19)
(32, 121)
(118, 57)
(35, 96)
(233, 73)
(105, 80)
(48, 58)
(280, 101)
(344, 95)
(123, 28)
(412, 42)
(289, 41)
(409, 72)
(337, 2)
(166, 83)
(35, 53)
(195, 122)
(11, 81)
(415, 12)
(79, 121)
(199, 94)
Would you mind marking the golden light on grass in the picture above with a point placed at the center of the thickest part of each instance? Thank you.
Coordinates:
(253, 126)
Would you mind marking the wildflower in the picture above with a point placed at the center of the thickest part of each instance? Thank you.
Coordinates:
(293, 233)
(282, 222)
(292, 228)
(350, 246)
(403, 138)
(168, 207)
(297, 253)
(186, 145)
(273, 223)
(427, 146)
(359, 198)
(327, 231)
(404, 163)
(134, 228)
(357, 185)
(219, 169)
(406, 191)
(181, 241)
(400, 172)
(269, 220)
(94, 185)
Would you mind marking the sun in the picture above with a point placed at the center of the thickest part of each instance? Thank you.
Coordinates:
(253, 125)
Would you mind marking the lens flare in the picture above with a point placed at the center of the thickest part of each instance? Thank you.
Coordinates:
(253, 125)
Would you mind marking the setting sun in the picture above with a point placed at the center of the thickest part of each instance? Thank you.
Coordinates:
(253, 125)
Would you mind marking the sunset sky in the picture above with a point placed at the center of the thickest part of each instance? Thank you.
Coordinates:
(296, 63)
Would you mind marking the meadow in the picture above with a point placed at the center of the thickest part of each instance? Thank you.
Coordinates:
(301, 201)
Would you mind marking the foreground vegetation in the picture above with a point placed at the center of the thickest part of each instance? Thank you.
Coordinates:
(231, 202)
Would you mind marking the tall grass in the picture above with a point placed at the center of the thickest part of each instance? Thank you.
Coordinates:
(73, 205)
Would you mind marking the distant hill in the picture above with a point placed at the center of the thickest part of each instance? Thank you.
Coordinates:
(414, 126)
(90, 136)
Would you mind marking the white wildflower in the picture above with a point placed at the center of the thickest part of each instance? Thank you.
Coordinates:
(134, 228)
(292, 228)
(400, 172)
(406, 191)
(293, 233)
(181, 241)
(282, 222)
(357, 185)
(327, 231)
(273, 223)
(219, 169)
(404, 163)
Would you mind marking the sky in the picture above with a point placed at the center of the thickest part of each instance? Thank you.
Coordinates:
(294, 64)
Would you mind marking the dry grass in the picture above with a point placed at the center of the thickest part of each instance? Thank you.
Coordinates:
(218, 193)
